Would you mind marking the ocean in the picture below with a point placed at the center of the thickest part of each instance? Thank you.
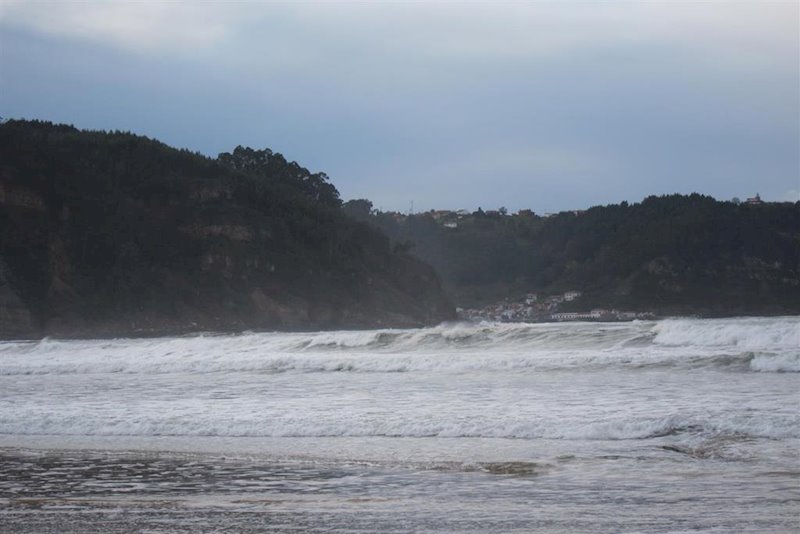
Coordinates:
(679, 425)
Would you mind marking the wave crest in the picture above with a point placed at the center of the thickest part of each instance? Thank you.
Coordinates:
(754, 334)
(759, 345)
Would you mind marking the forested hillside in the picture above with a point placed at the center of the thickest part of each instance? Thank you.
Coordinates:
(669, 254)
(116, 234)
(112, 233)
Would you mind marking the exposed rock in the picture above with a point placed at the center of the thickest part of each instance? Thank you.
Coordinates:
(17, 196)
(230, 231)
(15, 318)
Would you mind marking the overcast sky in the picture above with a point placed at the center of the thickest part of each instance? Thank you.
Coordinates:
(549, 106)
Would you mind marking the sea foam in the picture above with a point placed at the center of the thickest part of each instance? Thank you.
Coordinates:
(737, 344)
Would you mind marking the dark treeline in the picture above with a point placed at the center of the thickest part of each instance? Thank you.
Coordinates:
(669, 254)
(112, 232)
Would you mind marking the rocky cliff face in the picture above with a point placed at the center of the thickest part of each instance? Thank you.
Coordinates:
(112, 234)
(15, 318)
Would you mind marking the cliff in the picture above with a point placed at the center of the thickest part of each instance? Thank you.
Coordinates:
(111, 234)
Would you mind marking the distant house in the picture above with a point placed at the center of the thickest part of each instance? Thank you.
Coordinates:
(577, 316)
(754, 200)
(567, 316)
(531, 298)
(569, 296)
(442, 214)
(450, 224)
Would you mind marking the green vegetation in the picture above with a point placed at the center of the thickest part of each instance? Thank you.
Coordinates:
(669, 254)
(112, 233)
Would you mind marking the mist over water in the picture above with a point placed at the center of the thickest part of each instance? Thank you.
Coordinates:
(564, 409)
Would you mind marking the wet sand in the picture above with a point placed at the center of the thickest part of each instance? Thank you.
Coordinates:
(96, 491)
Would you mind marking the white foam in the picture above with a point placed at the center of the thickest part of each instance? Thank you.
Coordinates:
(743, 344)
(750, 333)
(589, 381)
(364, 425)
(132, 360)
(776, 363)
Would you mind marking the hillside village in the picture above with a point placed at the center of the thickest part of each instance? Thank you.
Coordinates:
(533, 309)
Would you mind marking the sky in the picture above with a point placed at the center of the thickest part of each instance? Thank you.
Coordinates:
(441, 105)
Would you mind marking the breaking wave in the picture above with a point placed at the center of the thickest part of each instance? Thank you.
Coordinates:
(688, 386)
(753, 334)
(749, 344)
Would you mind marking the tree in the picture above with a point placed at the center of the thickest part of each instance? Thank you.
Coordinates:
(359, 209)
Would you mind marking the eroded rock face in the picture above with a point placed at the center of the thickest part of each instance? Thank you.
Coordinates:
(20, 197)
(234, 232)
(15, 317)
